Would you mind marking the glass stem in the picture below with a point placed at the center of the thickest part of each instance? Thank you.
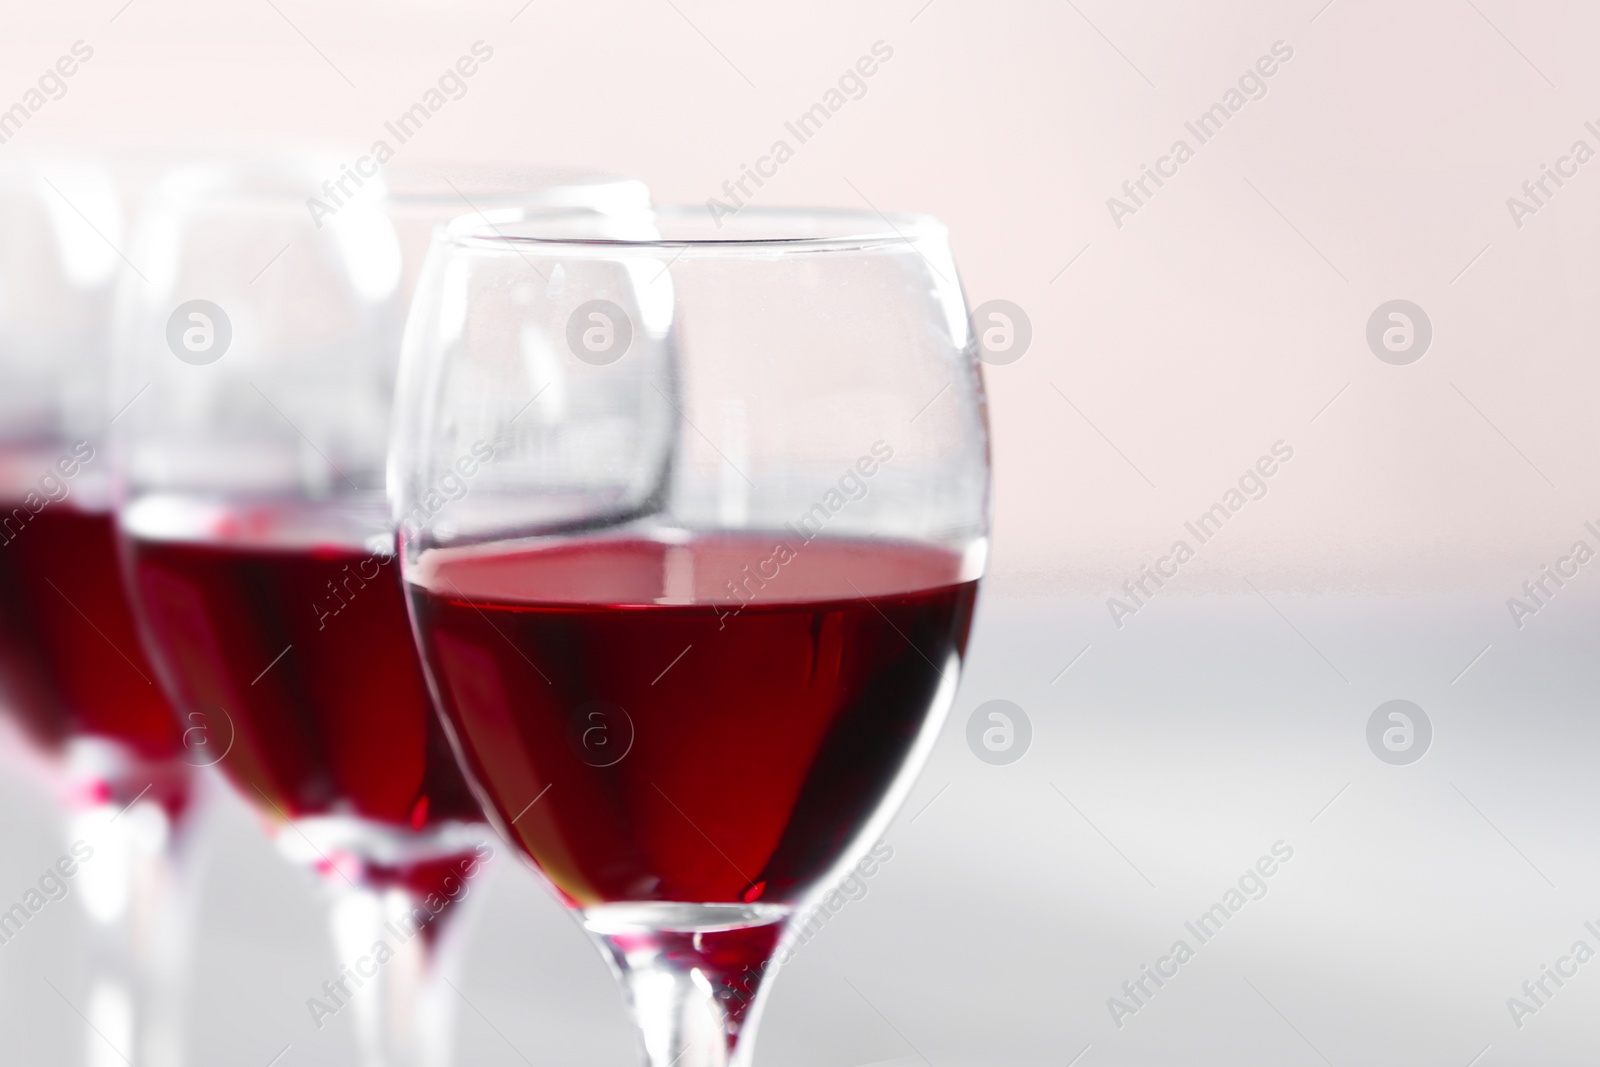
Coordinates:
(396, 957)
(695, 994)
(140, 886)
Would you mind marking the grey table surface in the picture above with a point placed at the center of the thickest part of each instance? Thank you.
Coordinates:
(1166, 758)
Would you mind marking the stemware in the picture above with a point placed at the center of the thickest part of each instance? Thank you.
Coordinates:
(262, 349)
(692, 518)
(73, 675)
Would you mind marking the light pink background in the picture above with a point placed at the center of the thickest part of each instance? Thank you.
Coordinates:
(1194, 336)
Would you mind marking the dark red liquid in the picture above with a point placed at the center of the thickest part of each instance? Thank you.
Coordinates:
(70, 659)
(302, 656)
(701, 749)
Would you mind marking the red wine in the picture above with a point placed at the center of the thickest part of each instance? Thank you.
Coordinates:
(710, 722)
(70, 657)
(281, 634)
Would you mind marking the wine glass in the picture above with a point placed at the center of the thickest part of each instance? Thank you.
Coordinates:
(262, 351)
(73, 676)
(692, 519)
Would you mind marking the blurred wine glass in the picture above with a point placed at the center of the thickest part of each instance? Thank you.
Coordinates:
(74, 679)
(262, 347)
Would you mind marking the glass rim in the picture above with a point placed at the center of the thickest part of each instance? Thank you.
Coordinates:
(696, 229)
